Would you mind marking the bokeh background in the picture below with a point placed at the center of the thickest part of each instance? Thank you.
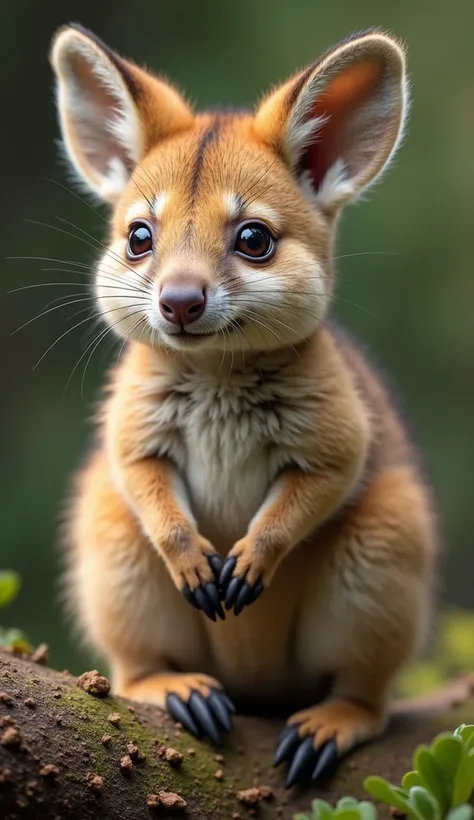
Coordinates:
(406, 268)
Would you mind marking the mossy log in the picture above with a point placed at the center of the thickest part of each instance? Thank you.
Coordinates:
(62, 757)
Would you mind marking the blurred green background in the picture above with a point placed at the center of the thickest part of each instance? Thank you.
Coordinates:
(406, 272)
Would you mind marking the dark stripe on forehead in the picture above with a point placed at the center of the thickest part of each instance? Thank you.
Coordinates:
(210, 135)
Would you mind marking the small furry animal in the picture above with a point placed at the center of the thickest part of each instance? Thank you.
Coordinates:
(246, 449)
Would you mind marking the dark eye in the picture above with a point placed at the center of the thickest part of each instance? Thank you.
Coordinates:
(140, 240)
(254, 241)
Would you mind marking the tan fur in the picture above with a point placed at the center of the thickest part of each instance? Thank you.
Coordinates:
(271, 439)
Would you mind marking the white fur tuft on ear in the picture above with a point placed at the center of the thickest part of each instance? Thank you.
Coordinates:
(102, 131)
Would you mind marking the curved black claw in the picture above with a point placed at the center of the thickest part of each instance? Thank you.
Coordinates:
(219, 704)
(247, 595)
(190, 597)
(287, 743)
(235, 590)
(204, 716)
(226, 573)
(206, 597)
(179, 710)
(213, 595)
(232, 591)
(327, 759)
(303, 762)
(215, 562)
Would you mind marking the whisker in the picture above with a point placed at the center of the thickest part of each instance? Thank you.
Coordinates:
(77, 196)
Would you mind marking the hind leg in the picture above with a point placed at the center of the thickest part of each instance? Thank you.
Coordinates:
(130, 609)
(361, 620)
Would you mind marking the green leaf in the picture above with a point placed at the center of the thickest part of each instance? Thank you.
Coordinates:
(448, 751)
(9, 587)
(464, 781)
(349, 813)
(304, 817)
(467, 734)
(347, 803)
(367, 811)
(384, 792)
(463, 812)
(424, 803)
(432, 774)
(411, 779)
(321, 810)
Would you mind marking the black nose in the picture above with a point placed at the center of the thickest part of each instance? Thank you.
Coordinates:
(182, 305)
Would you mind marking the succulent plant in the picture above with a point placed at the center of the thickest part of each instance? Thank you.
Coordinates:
(348, 808)
(438, 788)
(441, 783)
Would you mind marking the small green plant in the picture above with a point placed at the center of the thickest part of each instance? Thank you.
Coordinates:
(9, 589)
(439, 787)
(347, 808)
(441, 783)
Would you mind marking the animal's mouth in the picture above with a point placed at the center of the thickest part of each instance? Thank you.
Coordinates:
(184, 335)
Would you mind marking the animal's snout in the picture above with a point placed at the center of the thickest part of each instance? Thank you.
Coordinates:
(182, 304)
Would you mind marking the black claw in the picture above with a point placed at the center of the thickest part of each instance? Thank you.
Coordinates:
(243, 598)
(287, 744)
(227, 571)
(180, 712)
(232, 592)
(220, 710)
(215, 563)
(204, 603)
(190, 597)
(202, 712)
(213, 595)
(302, 761)
(327, 757)
(227, 701)
(257, 591)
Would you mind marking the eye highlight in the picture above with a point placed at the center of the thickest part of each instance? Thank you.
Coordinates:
(254, 241)
(140, 240)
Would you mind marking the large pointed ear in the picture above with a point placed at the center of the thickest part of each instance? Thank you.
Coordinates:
(338, 122)
(111, 112)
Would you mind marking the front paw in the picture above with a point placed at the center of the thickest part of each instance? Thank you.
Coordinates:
(196, 569)
(242, 577)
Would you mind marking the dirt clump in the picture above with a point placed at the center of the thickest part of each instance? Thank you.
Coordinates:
(94, 684)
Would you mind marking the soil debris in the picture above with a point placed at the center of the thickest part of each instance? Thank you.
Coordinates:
(191, 752)
(30, 703)
(106, 739)
(251, 797)
(96, 782)
(41, 654)
(135, 752)
(5, 776)
(6, 699)
(114, 718)
(171, 800)
(219, 758)
(219, 775)
(172, 756)
(10, 737)
(94, 684)
(126, 765)
(49, 771)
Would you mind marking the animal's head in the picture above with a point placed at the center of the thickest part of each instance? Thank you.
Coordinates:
(222, 224)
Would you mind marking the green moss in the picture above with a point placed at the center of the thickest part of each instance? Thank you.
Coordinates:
(155, 772)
